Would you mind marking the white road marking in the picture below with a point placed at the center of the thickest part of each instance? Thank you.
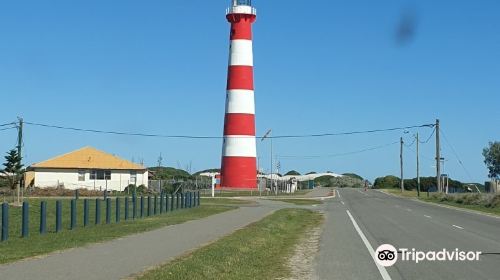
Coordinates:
(342, 202)
(362, 192)
(381, 269)
(459, 227)
(339, 194)
(427, 216)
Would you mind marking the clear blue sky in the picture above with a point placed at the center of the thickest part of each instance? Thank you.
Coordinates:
(320, 66)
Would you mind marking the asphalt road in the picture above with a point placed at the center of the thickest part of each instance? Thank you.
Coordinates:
(404, 223)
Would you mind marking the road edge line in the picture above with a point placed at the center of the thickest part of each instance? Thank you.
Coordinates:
(383, 272)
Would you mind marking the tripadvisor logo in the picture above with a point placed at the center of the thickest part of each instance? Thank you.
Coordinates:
(387, 255)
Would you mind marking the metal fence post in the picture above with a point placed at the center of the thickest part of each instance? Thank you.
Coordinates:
(155, 206)
(162, 202)
(199, 200)
(25, 220)
(134, 206)
(73, 214)
(58, 216)
(108, 211)
(117, 211)
(166, 203)
(85, 212)
(142, 206)
(182, 200)
(172, 203)
(177, 204)
(97, 211)
(43, 217)
(5, 221)
(126, 208)
(149, 206)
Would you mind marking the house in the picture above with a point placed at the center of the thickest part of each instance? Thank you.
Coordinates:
(86, 168)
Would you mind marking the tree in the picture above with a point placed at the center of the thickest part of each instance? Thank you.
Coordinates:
(13, 170)
(492, 159)
(292, 173)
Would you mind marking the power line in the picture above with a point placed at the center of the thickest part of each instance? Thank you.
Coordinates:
(7, 128)
(339, 154)
(219, 137)
(430, 137)
(6, 124)
(456, 155)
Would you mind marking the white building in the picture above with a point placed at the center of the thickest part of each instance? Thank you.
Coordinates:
(87, 168)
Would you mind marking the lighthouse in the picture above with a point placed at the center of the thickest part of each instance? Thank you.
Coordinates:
(239, 152)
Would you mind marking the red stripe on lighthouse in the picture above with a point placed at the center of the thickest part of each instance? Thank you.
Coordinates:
(239, 172)
(240, 77)
(241, 26)
(239, 124)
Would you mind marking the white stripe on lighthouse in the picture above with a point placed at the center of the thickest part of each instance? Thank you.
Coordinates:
(239, 146)
(240, 101)
(241, 53)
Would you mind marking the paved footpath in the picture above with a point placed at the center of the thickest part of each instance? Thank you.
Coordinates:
(120, 258)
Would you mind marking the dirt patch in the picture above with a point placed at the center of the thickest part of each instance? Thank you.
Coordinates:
(302, 262)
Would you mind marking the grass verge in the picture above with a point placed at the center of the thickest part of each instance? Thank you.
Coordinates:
(476, 202)
(259, 251)
(229, 193)
(17, 248)
(301, 201)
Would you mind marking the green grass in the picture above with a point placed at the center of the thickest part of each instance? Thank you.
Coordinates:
(227, 193)
(259, 251)
(433, 199)
(17, 248)
(225, 201)
(301, 201)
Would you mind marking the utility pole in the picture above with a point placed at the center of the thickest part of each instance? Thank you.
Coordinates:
(438, 158)
(418, 167)
(160, 159)
(19, 154)
(401, 162)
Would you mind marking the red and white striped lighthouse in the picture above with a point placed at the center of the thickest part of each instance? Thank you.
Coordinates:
(239, 164)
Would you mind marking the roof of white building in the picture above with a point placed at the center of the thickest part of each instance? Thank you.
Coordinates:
(88, 158)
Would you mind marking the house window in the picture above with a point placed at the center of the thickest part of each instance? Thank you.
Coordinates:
(81, 175)
(107, 175)
(100, 175)
(133, 177)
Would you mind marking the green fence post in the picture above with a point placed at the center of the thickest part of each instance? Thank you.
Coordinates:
(172, 203)
(126, 208)
(149, 205)
(97, 211)
(177, 205)
(5, 221)
(155, 207)
(134, 206)
(25, 220)
(73, 214)
(108, 211)
(58, 216)
(117, 211)
(85, 212)
(142, 206)
(182, 200)
(199, 199)
(43, 217)
(162, 202)
(166, 203)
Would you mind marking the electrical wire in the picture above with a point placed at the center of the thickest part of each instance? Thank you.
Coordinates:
(6, 124)
(7, 128)
(430, 136)
(456, 154)
(219, 137)
(339, 154)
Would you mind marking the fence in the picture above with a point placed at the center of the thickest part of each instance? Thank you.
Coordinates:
(78, 212)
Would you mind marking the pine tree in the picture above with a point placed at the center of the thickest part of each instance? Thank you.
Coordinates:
(13, 169)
